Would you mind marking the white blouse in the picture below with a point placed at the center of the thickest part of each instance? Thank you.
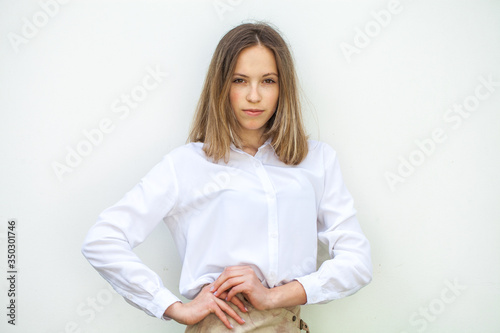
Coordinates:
(254, 210)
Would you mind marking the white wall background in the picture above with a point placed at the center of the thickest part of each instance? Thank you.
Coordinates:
(440, 227)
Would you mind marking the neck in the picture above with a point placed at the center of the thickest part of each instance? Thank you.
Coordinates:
(251, 141)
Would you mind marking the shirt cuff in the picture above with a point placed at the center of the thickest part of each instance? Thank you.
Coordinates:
(163, 299)
(312, 288)
(317, 293)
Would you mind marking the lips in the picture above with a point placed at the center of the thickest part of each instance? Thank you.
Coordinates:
(253, 112)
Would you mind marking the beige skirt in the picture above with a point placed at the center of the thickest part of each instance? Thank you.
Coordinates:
(283, 320)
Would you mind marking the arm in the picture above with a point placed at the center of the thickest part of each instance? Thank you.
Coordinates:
(109, 243)
(348, 270)
(350, 267)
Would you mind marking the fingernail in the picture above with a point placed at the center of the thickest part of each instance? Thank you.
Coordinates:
(231, 325)
(243, 320)
(246, 309)
(215, 293)
(226, 298)
(212, 289)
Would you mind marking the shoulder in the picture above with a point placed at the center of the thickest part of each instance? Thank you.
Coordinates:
(189, 151)
(319, 150)
(320, 156)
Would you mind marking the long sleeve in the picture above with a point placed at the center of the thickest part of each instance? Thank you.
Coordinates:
(350, 267)
(121, 227)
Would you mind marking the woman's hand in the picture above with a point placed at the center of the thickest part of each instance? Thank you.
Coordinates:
(242, 279)
(200, 307)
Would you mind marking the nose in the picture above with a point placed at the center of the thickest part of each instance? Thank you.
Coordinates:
(253, 95)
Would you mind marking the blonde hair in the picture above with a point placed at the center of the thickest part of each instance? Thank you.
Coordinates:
(216, 125)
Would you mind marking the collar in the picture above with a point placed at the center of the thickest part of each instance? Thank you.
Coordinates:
(264, 145)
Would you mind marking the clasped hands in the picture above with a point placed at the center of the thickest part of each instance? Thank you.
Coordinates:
(214, 297)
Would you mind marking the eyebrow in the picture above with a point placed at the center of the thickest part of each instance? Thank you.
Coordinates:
(268, 74)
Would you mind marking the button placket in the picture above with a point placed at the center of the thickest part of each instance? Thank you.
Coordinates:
(272, 222)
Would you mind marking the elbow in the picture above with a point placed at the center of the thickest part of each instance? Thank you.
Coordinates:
(364, 274)
(367, 278)
(101, 240)
(89, 246)
(365, 268)
(85, 248)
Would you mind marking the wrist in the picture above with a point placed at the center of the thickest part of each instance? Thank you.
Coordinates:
(270, 299)
(289, 294)
(174, 311)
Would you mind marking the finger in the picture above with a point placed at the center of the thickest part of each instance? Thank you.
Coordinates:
(236, 301)
(229, 272)
(221, 296)
(226, 308)
(229, 284)
(218, 312)
(231, 295)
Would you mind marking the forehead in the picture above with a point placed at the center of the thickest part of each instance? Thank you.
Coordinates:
(256, 59)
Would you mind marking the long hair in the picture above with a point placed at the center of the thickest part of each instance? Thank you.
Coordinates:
(215, 123)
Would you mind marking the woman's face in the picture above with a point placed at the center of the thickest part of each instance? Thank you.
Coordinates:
(254, 90)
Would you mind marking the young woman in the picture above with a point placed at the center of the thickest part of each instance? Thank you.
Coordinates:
(246, 201)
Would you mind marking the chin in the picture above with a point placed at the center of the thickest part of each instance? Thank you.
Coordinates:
(253, 127)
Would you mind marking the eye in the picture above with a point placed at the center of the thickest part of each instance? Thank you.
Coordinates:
(269, 81)
(238, 81)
